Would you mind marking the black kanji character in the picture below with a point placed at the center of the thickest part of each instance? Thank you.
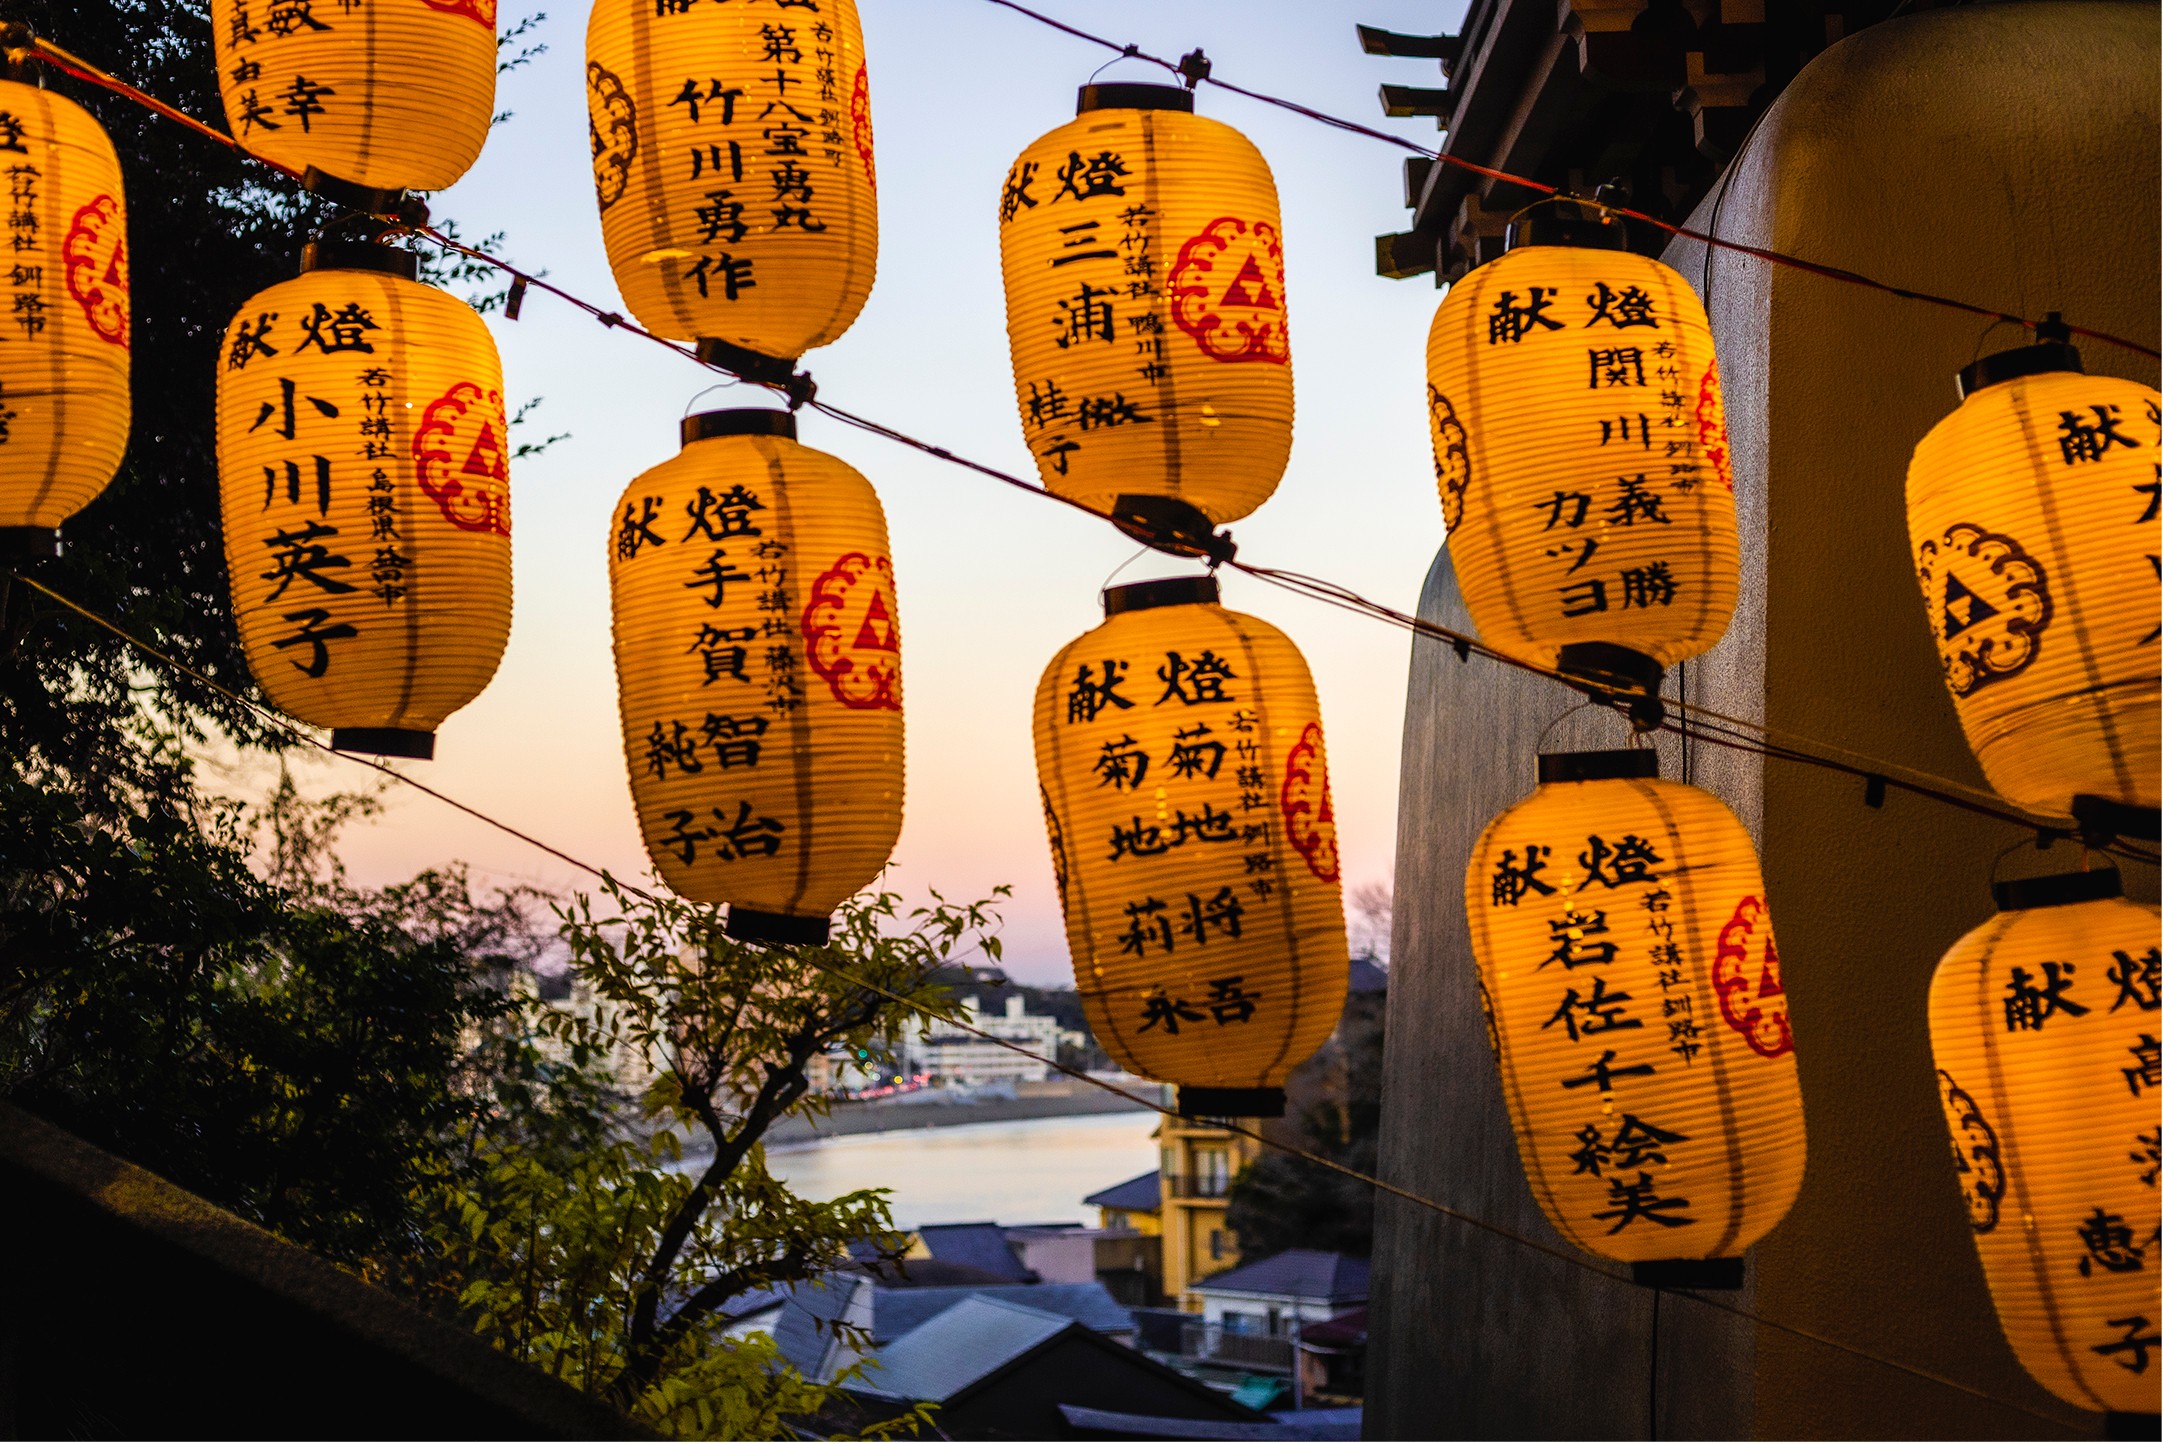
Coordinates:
(717, 573)
(2028, 1007)
(1635, 1201)
(1191, 758)
(1221, 912)
(735, 740)
(1616, 366)
(1206, 675)
(300, 553)
(2143, 1073)
(1604, 1076)
(723, 220)
(636, 531)
(721, 517)
(1636, 504)
(666, 749)
(1590, 596)
(2080, 441)
(1085, 316)
(1228, 1002)
(1085, 179)
(2110, 1243)
(2135, 1341)
(1568, 934)
(1513, 882)
(1602, 1012)
(1122, 766)
(304, 99)
(1649, 585)
(1146, 922)
(1161, 1007)
(2136, 979)
(1629, 861)
(733, 274)
(1510, 321)
(1632, 308)
(1091, 697)
(746, 836)
(249, 342)
(344, 327)
(314, 635)
(1016, 195)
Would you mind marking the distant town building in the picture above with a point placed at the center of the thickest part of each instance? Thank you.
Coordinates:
(950, 1055)
(1136, 1204)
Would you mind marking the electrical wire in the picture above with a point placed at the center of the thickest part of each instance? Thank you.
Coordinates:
(852, 980)
(1794, 749)
(1778, 258)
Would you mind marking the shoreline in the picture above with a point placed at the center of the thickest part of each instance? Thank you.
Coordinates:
(850, 1120)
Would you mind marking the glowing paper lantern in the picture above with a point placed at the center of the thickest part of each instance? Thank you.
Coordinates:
(732, 163)
(758, 668)
(1144, 266)
(64, 359)
(2032, 511)
(361, 456)
(2043, 1025)
(385, 94)
(1186, 789)
(1637, 1011)
(1581, 452)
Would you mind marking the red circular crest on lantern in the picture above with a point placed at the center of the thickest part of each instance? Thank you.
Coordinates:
(1309, 824)
(860, 122)
(612, 129)
(1227, 288)
(1712, 425)
(852, 634)
(1755, 1007)
(95, 252)
(480, 12)
(458, 453)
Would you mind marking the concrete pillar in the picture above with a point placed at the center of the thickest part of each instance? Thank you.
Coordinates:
(2000, 153)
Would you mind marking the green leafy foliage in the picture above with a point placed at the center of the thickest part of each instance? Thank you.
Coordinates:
(732, 1027)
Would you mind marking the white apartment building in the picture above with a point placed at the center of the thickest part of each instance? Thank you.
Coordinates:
(957, 1057)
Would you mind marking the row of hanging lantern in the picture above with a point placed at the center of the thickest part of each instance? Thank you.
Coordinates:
(1625, 948)
(1179, 745)
(1627, 964)
(2032, 515)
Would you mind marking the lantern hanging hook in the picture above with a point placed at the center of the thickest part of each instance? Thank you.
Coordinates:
(1194, 66)
(1130, 52)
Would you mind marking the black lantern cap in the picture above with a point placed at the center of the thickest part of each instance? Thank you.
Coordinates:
(28, 543)
(1610, 665)
(1133, 97)
(2105, 817)
(345, 255)
(1599, 766)
(1687, 1273)
(2054, 351)
(2023, 893)
(384, 742)
(1231, 1102)
(1165, 592)
(788, 929)
(743, 421)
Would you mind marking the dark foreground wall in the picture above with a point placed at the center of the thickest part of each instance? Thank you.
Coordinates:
(2002, 153)
(132, 1309)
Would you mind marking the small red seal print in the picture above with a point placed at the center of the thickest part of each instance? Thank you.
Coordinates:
(860, 123)
(852, 635)
(1227, 288)
(1752, 1001)
(480, 12)
(95, 252)
(1309, 824)
(458, 453)
(1712, 426)
(1989, 605)
(1452, 457)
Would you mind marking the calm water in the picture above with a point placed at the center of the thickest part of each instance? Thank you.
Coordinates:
(1034, 1171)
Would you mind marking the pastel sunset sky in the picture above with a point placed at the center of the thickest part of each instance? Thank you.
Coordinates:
(990, 582)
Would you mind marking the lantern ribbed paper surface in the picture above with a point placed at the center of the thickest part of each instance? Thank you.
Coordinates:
(732, 162)
(1638, 1012)
(390, 94)
(2043, 1025)
(1186, 791)
(758, 668)
(1145, 308)
(2032, 511)
(64, 362)
(361, 455)
(1581, 452)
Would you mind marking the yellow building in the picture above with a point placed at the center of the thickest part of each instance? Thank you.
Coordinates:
(1197, 1161)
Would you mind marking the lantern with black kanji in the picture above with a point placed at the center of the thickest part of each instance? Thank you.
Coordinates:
(2043, 1026)
(64, 356)
(1145, 309)
(366, 497)
(758, 670)
(1186, 790)
(2032, 511)
(387, 95)
(732, 163)
(1639, 1016)
(1581, 454)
